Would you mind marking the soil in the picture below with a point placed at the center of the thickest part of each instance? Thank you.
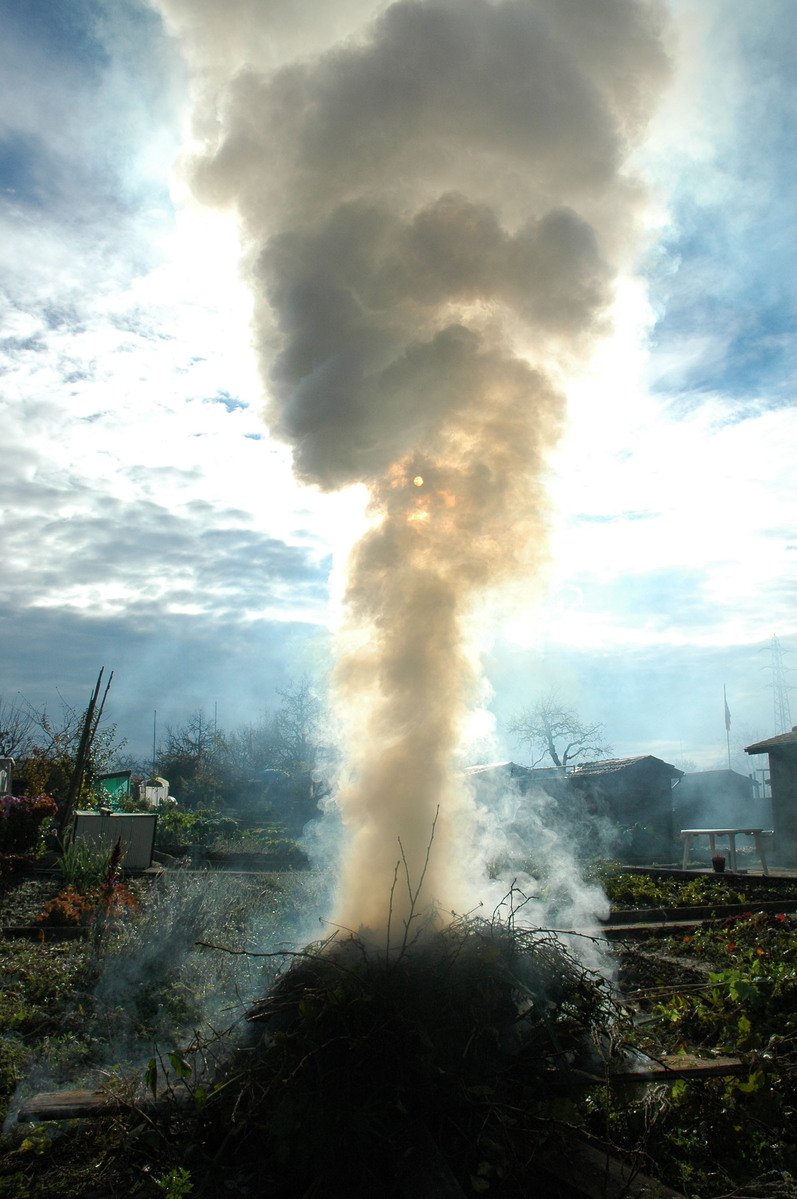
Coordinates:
(21, 901)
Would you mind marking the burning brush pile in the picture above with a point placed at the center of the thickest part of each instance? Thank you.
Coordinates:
(362, 1067)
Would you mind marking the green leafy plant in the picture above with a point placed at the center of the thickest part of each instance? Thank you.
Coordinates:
(711, 1136)
(643, 890)
(95, 905)
(84, 865)
(177, 1183)
(202, 826)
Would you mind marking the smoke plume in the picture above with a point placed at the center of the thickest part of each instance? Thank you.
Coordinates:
(434, 208)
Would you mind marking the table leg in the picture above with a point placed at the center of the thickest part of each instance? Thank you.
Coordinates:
(732, 850)
(759, 848)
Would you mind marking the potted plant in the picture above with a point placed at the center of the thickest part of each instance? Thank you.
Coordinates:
(718, 862)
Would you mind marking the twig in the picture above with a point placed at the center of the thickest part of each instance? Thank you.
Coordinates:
(414, 895)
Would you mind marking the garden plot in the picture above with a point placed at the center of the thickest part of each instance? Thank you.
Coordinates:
(145, 1011)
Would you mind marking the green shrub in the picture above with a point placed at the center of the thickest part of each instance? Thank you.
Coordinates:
(84, 865)
(202, 826)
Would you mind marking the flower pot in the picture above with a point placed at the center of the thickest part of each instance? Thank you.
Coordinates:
(718, 862)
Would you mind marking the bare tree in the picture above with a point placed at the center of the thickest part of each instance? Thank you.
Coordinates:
(15, 729)
(52, 755)
(552, 730)
(296, 724)
(205, 765)
(193, 760)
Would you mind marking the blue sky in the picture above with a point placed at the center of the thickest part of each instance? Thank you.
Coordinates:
(151, 524)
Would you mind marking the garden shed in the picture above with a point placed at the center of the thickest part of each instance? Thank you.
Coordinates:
(782, 751)
(626, 802)
(637, 796)
(719, 799)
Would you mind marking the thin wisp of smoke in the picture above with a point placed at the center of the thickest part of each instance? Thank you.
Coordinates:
(434, 209)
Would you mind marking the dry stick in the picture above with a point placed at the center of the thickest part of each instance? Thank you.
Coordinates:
(81, 757)
(390, 908)
(101, 708)
(255, 953)
(413, 896)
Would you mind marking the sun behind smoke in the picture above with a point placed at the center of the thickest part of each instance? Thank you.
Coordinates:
(417, 198)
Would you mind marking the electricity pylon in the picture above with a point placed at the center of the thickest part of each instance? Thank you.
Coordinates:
(780, 690)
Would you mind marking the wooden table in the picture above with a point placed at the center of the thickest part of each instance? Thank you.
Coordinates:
(757, 834)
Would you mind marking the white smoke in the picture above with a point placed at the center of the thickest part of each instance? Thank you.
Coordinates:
(434, 207)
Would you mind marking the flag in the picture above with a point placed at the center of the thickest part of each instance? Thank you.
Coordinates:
(727, 712)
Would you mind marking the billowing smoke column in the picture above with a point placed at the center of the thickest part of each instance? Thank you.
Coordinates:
(434, 211)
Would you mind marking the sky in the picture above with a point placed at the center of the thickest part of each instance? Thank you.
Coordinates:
(153, 524)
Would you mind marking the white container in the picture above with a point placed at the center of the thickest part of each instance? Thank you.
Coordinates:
(136, 829)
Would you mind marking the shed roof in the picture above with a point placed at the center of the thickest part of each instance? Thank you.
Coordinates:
(700, 781)
(514, 771)
(781, 741)
(716, 776)
(620, 765)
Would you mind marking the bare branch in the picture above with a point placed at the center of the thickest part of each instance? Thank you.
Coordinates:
(549, 729)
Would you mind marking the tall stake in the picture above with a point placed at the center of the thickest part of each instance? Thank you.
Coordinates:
(83, 750)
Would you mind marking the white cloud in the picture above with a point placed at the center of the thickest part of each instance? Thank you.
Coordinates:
(125, 325)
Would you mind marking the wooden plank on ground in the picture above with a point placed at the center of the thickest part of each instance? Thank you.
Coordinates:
(666, 928)
(95, 1105)
(69, 1105)
(678, 1065)
(699, 912)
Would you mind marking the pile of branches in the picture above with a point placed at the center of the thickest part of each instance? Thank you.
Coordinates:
(467, 1038)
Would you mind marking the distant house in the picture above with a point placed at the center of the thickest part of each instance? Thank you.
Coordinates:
(154, 791)
(632, 796)
(719, 799)
(782, 751)
(637, 795)
(112, 787)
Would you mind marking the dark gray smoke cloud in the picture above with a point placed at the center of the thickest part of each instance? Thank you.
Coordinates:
(434, 209)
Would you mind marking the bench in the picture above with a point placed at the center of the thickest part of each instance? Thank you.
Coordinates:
(758, 834)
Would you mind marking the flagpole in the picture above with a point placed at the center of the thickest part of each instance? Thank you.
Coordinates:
(727, 724)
